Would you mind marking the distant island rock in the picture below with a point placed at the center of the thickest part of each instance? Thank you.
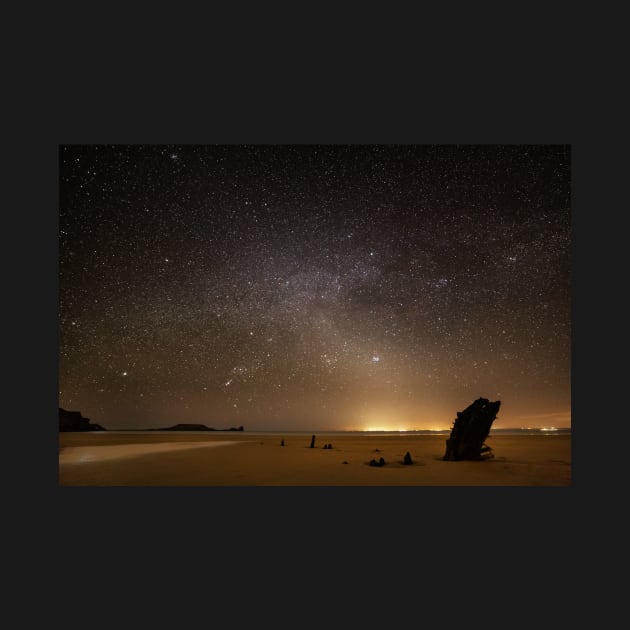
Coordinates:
(74, 421)
(195, 427)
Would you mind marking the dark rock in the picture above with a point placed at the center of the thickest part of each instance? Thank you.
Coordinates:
(313, 441)
(194, 427)
(282, 443)
(380, 462)
(188, 427)
(74, 421)
(407, 459)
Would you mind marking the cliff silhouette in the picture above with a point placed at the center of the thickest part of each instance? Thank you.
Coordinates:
(74, 421)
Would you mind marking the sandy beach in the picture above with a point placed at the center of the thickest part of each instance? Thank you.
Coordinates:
(239, 459)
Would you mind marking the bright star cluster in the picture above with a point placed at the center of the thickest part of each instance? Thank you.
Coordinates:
(314, 287)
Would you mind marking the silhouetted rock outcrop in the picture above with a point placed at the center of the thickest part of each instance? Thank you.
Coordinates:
(74, 421)
(470, 429)
(187, 427)
(195, 427)
(407, 459)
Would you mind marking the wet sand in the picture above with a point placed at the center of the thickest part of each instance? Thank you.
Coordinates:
(239, 459)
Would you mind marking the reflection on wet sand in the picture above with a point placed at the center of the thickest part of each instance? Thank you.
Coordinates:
(84, 454)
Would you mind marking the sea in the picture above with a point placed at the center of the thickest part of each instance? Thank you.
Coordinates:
(430, 432)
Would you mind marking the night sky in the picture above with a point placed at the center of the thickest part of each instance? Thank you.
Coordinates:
(314, 287)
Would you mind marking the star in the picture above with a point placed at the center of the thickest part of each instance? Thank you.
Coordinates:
(291, 262)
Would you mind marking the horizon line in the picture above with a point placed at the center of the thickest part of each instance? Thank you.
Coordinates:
(322, 429)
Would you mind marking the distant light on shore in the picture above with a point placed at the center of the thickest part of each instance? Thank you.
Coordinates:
(389, 430)
(381, 429)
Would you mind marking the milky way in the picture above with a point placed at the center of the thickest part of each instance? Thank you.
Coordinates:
(314, 287)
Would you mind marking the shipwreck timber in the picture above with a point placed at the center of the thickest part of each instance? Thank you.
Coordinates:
(470, 429)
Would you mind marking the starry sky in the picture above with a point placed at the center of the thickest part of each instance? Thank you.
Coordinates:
(314, 287)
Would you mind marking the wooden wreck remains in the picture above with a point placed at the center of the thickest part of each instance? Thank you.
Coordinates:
(470, 429)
